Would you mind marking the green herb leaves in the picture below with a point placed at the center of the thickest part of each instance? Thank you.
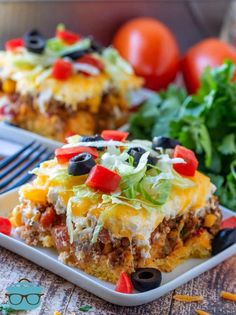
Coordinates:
(85, 308)
(158, 111)
(204, 122)
(228, 145)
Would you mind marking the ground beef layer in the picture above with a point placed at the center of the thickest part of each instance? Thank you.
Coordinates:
(57, 121)
(172, 242)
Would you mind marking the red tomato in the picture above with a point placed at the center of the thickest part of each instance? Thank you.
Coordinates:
(13, 44)
(90, 60)
(68, 37)
(65, 154)
(191, 165)
(61, 70)
(48, 217)
(5, 226)
(115, 135)
(124, 284)
(229, 223)
(151, 49)
(103, 179)
(209, 52)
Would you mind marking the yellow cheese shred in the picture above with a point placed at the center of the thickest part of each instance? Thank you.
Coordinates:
(210, 220)
(188, 298)
(200, 312)
(228, 296)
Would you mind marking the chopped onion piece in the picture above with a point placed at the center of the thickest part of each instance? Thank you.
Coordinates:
(43, 98)
(86, 68)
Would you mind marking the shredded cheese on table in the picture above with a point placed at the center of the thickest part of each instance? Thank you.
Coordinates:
(188, 298)
(228, 296)
(200, 312)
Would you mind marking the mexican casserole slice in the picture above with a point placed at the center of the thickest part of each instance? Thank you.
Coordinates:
(110, 205)
(64, 85)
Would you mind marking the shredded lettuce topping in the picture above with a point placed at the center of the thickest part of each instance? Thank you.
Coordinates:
(55, 47)
(143, 185)
(74, 142)
(131, 179)
(150, 182)
(56, 174)
(114, 63)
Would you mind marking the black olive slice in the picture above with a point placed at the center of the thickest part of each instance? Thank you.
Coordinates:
(222, 240)
(34, 32)
(152, 160)
(96, 46)
(164, 142)
(137, 152)
(81, 164)
(34, 41)
(93, 139)
(76, 54)
(145, 279)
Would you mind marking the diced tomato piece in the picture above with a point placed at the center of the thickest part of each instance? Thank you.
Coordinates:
(61, 70)
(229, 223)
(124, 284)
(13, 44)
(103, 179)
(48, 217)
(68, 37)
(90, 60)
(65, 154)
(5, 226)
(191, 165)
(60, 237)
(115, 135)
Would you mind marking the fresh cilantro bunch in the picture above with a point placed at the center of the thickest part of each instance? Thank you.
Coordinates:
(156, 113)
(204, 122)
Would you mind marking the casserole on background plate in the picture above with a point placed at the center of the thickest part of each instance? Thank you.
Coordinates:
(64, 85)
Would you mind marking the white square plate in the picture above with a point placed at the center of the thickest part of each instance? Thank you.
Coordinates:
(11, 136)
(47, 258)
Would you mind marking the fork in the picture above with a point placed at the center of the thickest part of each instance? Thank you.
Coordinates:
(10, 168)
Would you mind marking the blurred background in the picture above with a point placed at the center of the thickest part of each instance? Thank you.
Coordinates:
(199, 18)
(196, 105)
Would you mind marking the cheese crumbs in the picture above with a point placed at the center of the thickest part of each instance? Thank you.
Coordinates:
(200, 312)
(228, 296)
(188, 298)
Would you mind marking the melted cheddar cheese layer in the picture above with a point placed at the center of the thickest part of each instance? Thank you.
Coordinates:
(79, 88)
(119, 219)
